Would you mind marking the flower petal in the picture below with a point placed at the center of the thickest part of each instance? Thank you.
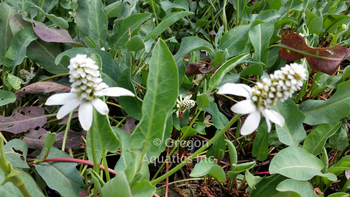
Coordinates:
(117, 91)
(85, 115)
(100, 106)
(68, 107)
(236, 89)
(267, 120)
(60, 99)
(251, 123)
(275, 117)
(244, 107)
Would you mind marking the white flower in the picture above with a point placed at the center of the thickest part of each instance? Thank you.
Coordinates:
(279, 87)
(184, 104)
(85, 89)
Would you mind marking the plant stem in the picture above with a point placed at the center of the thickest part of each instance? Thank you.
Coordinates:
(211, 141)
(154, 12)
(104, 160)
(177, 144)
(66, 132)
(59, 75)
(96, 166)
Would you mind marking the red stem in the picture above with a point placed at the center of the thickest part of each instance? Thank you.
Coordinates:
(76, 161)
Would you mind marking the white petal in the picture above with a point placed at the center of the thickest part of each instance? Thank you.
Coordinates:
(100, 106)
(267, 120)
(68, 107)
(251, 123)
(236, 89)
(117, 91)
(60, 99)
(275, 117)
(244, 107)
(85, 115)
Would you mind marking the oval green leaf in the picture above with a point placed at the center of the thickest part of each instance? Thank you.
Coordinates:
(296, 163)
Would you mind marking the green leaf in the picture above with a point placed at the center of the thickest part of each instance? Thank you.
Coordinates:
(219, 119)
(235, 40)
(340, 138)
(309, 4)
(6, 97)
(49, 139)
(135, 44)
(142, 188)
(274, 4)
(208, 166)
(110, 70)
(6, 13)
(267, 186)
(346, 72)
(316, 140)
(297, 188)
(331, 110)
(338, 168)
(122, 31)
(17, 51)
(254, 69)
(225, 68)
(260, 36)
(48, 5)
(118, 185)
(60, 176)
(17, 23)
(98, 23)
(107, 137)
(113, 9)
(232, 152)
(82, 15)
(132, 105)
(162, 92)
(14, 81)
(296, 163)
(169, 20)
(132, 168)
(203, 100)
(188, 131)
(268, 15)
(45, 53)
(14, 158)
(251, 179)
(313, 22)
(98, 146)
(9, 190)
(55, 19)
(98, 181)
(292, 132)
(339, 194)
(333, 22)
(244, 166)
(261, 142)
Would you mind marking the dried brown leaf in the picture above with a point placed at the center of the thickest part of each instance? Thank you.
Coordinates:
(41, 87)
(335, 54)
(130, 125)
(35, 139)
(23, 119)
(198, 68)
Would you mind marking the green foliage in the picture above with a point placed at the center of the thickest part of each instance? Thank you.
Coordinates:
(149, 48)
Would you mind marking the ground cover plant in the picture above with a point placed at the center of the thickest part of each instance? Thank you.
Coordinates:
(174, 98)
